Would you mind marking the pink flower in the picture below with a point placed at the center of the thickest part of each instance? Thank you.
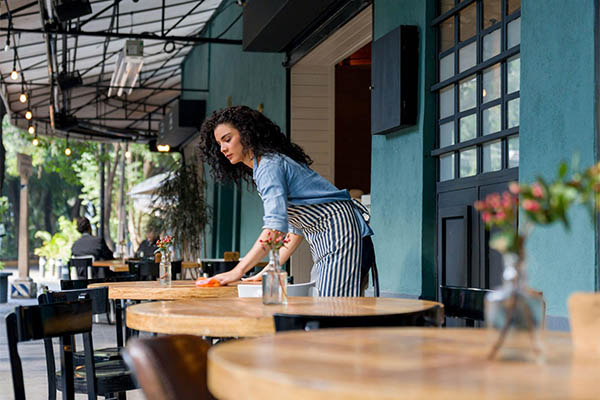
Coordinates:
(479, 205)
(486, 217)
(514, 188)
(537, 190)
(531, 205)
(493, 200)
(500, 216)
(507, 200)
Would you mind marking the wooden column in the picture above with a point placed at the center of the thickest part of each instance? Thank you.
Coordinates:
(24, 286)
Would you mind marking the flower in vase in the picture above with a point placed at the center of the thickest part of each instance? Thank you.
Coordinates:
(274, 242)
(164, 244)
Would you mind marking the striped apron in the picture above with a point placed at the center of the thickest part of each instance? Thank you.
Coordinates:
(333, 233)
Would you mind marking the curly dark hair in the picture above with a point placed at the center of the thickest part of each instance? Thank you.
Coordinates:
(258, 134)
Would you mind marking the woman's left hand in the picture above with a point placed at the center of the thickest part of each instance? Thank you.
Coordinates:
(228, 277)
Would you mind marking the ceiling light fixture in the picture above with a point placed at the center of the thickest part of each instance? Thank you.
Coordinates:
(127, 68)
(28, 115)
(23, 96)
(163, 148)
(31, 129)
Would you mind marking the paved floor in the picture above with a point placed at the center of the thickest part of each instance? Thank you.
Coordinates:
(32, 353)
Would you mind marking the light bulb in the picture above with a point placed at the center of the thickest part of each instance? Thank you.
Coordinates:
(23, 98)
(31, 129)
(14, 75)
(163, 148)
(68, 151)
(35, 141)
(28, 115)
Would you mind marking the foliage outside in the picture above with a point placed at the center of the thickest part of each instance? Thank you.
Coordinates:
(542, 202)
(182, 210)
(56, 249)
(69, 186)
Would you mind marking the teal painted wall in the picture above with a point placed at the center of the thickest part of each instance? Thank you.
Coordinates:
(558, 117)
(403, 173)
(250, 79)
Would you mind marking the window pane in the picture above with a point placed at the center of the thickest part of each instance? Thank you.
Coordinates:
(491, 83)
(467, 93)
(446, 5)
(513, 65)
(468, 18)
(446, 167)
(447, 101)
(512, 6)
(492, 156)
(447, 134)
(491, 12)
(447, 67)
(467, 57)
(513, 112)
(468, 128)
(447, 34)
(491, 44)
(468, 162)
(513, 36)
(513, 151)
(490, 120)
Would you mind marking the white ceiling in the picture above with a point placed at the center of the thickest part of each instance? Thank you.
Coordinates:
(94, 57)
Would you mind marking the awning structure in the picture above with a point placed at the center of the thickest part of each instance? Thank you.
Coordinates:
(144, 193)
(49, 53)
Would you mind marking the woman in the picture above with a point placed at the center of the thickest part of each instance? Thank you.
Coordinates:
(239, 144)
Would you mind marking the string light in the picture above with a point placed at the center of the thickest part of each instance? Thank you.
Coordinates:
(28, 115)
(14, 75)
(35, 141)
(31, 129)
(23, 97)
(163, 148)
(68, 150)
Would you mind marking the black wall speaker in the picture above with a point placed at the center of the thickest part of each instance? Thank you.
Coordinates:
(395, 80)
(65, 10)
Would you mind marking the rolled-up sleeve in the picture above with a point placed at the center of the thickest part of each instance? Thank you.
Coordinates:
(272, 186)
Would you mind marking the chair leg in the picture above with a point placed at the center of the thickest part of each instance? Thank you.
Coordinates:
(66, 366)
(119, 322)
(375, 275)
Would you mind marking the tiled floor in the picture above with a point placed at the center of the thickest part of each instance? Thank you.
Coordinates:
(32, 353)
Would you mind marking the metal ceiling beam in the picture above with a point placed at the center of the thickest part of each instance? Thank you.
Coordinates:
(10, 14)
(74, 32)
(92, 85)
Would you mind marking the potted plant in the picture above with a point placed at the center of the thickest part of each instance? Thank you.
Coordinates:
(182, 210)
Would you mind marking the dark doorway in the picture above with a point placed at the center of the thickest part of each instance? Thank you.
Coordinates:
(353, 121)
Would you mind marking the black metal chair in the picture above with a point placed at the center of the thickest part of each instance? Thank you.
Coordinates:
(144, 270)
(62, 320)
(100, 305)
(433, 316)
(464, 303)
(82, 265)
(83, 283)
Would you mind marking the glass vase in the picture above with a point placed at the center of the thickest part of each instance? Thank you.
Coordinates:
(517, 312)
(164, 270)
(274, 281)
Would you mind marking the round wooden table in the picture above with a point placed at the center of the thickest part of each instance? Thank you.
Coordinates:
(392, 363)
(246, 317)
(152, 290)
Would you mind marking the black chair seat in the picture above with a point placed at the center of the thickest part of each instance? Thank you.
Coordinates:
(100, 355)
(112, 376)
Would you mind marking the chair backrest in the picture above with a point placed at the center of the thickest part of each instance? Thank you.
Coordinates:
(81, 261)
(462, 302)
(98, 296)
(170, 367)
(433, 316)
(145, 270)
(68, 284)
(46, 321)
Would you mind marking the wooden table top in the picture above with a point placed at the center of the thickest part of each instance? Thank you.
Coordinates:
(152, 290)
(392, 363)
(247, 317)
(113, 265)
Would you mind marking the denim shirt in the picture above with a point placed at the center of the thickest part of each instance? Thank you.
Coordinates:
(281, 180)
